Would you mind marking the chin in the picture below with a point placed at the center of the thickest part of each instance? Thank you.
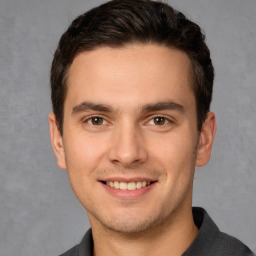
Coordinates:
(128, 224)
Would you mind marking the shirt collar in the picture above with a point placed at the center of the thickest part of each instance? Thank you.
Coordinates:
(208, 232)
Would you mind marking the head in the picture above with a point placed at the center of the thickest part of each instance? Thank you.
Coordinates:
(122, 22)
(131, 88)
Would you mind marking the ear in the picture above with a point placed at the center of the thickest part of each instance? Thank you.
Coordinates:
(57, 141)
(206, 140)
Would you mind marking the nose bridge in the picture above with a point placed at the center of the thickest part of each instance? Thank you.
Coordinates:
(127, 145)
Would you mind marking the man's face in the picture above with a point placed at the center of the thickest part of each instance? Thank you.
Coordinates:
(130, 140)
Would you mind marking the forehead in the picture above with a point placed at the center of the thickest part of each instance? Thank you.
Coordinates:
(135, 73)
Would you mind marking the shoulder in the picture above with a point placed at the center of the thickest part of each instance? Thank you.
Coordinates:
(211, 241)
(228, 245)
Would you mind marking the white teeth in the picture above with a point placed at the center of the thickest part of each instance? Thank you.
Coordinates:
(138, 185)
(123, 185)
(116, 184)
(131, 186)
(128, 186)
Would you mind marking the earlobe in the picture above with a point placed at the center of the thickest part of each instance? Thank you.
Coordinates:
(57, 141)
(206, 140)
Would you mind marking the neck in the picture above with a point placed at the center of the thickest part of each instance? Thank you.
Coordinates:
(172, 237)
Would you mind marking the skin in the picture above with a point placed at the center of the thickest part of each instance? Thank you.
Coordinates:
(130, 114)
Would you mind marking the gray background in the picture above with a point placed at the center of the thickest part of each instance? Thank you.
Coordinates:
(39, 214)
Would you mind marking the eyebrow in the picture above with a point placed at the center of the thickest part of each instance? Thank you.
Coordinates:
(162, 105)
(86, 106)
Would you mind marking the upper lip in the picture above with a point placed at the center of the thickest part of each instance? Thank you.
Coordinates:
(127, 180)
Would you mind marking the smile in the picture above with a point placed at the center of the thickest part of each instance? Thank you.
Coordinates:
(128, 185)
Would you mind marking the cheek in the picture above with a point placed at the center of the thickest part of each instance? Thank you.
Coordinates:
(83, 151)
(175, 149)
(83, 156)
(176, 155)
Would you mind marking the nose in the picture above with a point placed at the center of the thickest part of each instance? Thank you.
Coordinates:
(128, 148)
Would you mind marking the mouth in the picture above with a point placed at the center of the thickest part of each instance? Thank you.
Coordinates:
(134, 185)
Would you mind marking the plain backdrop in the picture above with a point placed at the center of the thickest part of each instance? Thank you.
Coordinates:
(39, 215)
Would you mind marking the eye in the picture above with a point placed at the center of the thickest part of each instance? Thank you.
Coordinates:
(96, 120)
(159, 120)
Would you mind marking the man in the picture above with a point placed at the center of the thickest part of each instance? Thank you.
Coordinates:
(131, 90)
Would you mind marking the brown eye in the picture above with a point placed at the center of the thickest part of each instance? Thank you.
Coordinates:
(97, 120)
(159, 120)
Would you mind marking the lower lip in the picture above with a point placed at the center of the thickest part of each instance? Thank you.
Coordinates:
(128, 194)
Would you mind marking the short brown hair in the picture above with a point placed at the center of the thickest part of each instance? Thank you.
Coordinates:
(120, 22)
